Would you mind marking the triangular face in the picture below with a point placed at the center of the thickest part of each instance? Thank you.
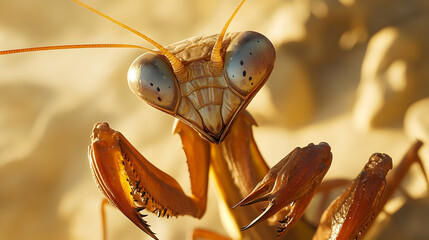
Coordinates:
(207, 100)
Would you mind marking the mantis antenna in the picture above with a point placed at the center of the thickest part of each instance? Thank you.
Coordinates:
(178, 67)
(216, 58)
(72, 46)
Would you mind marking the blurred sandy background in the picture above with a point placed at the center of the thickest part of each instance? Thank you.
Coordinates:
(347, 73)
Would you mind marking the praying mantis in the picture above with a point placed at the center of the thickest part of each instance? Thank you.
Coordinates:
(218, 132)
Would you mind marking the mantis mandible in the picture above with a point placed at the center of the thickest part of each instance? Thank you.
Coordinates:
(207, 83)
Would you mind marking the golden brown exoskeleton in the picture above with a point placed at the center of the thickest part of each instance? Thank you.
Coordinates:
(206, 83)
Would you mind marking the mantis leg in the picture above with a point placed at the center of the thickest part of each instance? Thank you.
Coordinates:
(104, 203)
(289, 186)
(352, 213)
(133, 184)
(325, 189)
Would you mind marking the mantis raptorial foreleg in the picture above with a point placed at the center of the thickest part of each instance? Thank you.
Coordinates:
(132, 184)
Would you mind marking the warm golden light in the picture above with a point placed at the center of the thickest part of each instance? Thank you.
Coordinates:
(350, 73)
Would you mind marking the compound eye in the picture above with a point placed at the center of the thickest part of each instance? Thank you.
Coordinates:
(151, 78)
(249, 60)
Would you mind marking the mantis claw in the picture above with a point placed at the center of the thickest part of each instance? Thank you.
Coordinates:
(290, 185)
(109, 173)
(132, 184)
(261, 217)
(351, 214)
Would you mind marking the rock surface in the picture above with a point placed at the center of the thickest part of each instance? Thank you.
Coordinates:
(342, 66)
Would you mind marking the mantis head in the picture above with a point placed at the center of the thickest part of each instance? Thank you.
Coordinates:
(204, 81)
